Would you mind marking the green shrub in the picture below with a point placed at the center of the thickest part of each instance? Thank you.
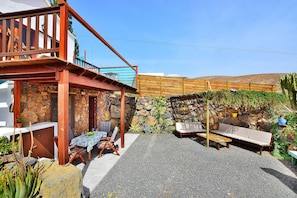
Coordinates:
(284, 136)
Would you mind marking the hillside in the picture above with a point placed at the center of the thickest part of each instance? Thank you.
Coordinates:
(270, 79)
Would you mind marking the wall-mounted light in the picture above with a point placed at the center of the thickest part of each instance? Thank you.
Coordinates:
(82, 92)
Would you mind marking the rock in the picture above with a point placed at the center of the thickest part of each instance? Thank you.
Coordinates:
(134, 120)
(30, 117)
(115, 111)
(150, 121)
(60, 181)
(143, 113)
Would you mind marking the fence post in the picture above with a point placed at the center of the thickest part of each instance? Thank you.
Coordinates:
(160, 86)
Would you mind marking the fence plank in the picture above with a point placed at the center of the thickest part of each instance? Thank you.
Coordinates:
(164, 86)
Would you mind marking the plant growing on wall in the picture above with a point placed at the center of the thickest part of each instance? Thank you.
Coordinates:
(135, 128)
(158, 113)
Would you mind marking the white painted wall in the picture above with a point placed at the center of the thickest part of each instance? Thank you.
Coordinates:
(6, 98)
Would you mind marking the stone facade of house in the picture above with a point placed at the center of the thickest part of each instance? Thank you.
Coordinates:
(37, 105)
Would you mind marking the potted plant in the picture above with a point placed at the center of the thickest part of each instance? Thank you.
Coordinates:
(234, 113)
(20, 120)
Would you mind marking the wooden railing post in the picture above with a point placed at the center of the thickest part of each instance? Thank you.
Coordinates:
(63, 30)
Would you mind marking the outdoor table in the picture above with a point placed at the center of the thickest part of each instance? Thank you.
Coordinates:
(216, 138)
(87, 141)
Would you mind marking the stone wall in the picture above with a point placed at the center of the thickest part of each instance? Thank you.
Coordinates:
(191, 110)
(36, 106)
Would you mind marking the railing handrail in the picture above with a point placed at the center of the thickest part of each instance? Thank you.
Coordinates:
(95, 33)
(29, 13)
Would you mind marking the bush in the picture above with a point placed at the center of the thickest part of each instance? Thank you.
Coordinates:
(285, 137)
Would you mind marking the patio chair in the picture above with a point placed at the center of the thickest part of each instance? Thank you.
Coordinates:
(108, 143)
(74, 152)
(105, 126)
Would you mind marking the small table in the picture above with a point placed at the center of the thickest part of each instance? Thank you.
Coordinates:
(294, 156)
(85, 140)
(216, 138)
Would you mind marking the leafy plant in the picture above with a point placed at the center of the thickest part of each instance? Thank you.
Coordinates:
(242, 98)
(21, 119)
(6, 147)
(281, 136)
(135, 128)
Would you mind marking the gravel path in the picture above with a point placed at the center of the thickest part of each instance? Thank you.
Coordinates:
(167, 166)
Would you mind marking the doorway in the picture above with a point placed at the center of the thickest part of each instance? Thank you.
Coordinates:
(92, 112)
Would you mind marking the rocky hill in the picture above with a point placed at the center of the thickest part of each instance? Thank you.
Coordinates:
(270, 79)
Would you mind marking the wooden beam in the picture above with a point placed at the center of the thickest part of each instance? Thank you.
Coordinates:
(63, 100)
(122, 120)
(17, 100)
(85, 81)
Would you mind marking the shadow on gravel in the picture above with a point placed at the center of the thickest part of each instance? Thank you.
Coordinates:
(289, 181)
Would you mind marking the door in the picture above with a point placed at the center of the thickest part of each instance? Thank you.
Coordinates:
(92, 112)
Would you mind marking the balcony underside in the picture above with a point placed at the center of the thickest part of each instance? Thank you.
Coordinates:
(46, 70)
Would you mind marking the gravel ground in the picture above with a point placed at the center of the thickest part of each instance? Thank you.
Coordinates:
(167, 166)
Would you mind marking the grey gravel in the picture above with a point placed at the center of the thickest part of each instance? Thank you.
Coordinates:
(168, 166)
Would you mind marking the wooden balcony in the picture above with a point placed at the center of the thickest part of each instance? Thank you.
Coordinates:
(37, 38)
(36, 46)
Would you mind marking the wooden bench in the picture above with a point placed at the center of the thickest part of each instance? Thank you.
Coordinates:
(186, 128)
(258, 138)
(294, 156)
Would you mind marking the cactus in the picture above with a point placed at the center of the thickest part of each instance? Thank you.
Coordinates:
(24, 181)
(289, 87)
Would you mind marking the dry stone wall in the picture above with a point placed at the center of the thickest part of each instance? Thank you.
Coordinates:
(149, 117)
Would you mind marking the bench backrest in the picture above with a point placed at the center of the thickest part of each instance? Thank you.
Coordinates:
(188, 125)
(242, 131)
(261, 136)
(225, 127)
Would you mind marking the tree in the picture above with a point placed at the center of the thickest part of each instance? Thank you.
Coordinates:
(289, 87)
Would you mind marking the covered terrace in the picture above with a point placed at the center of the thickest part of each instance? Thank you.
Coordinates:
(35, 47)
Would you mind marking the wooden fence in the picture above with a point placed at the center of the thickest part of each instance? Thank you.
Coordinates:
(164, 86)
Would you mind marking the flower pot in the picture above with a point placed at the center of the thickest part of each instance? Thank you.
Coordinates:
(19, 125)
(282, 121)
(234, 114)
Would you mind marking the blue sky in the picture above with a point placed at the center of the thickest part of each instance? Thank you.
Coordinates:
(195, 38)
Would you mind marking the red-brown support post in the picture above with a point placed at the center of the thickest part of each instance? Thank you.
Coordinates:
(122, 126)
(63, 30)
(17, 100)
(63, 100)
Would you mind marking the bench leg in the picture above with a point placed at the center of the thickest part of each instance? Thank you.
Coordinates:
(218, 146)
(293, 161)
(261, 150)
(227, 145)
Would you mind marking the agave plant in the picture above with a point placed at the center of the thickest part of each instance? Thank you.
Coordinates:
(23, 181)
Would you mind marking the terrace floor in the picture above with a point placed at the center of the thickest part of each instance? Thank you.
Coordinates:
(167, 166)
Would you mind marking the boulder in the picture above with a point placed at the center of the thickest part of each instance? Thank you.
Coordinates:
(60, 180)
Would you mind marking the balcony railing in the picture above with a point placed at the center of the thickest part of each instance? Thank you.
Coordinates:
(44, 32)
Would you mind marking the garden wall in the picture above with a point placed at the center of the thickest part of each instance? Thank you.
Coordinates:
(159, 115)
